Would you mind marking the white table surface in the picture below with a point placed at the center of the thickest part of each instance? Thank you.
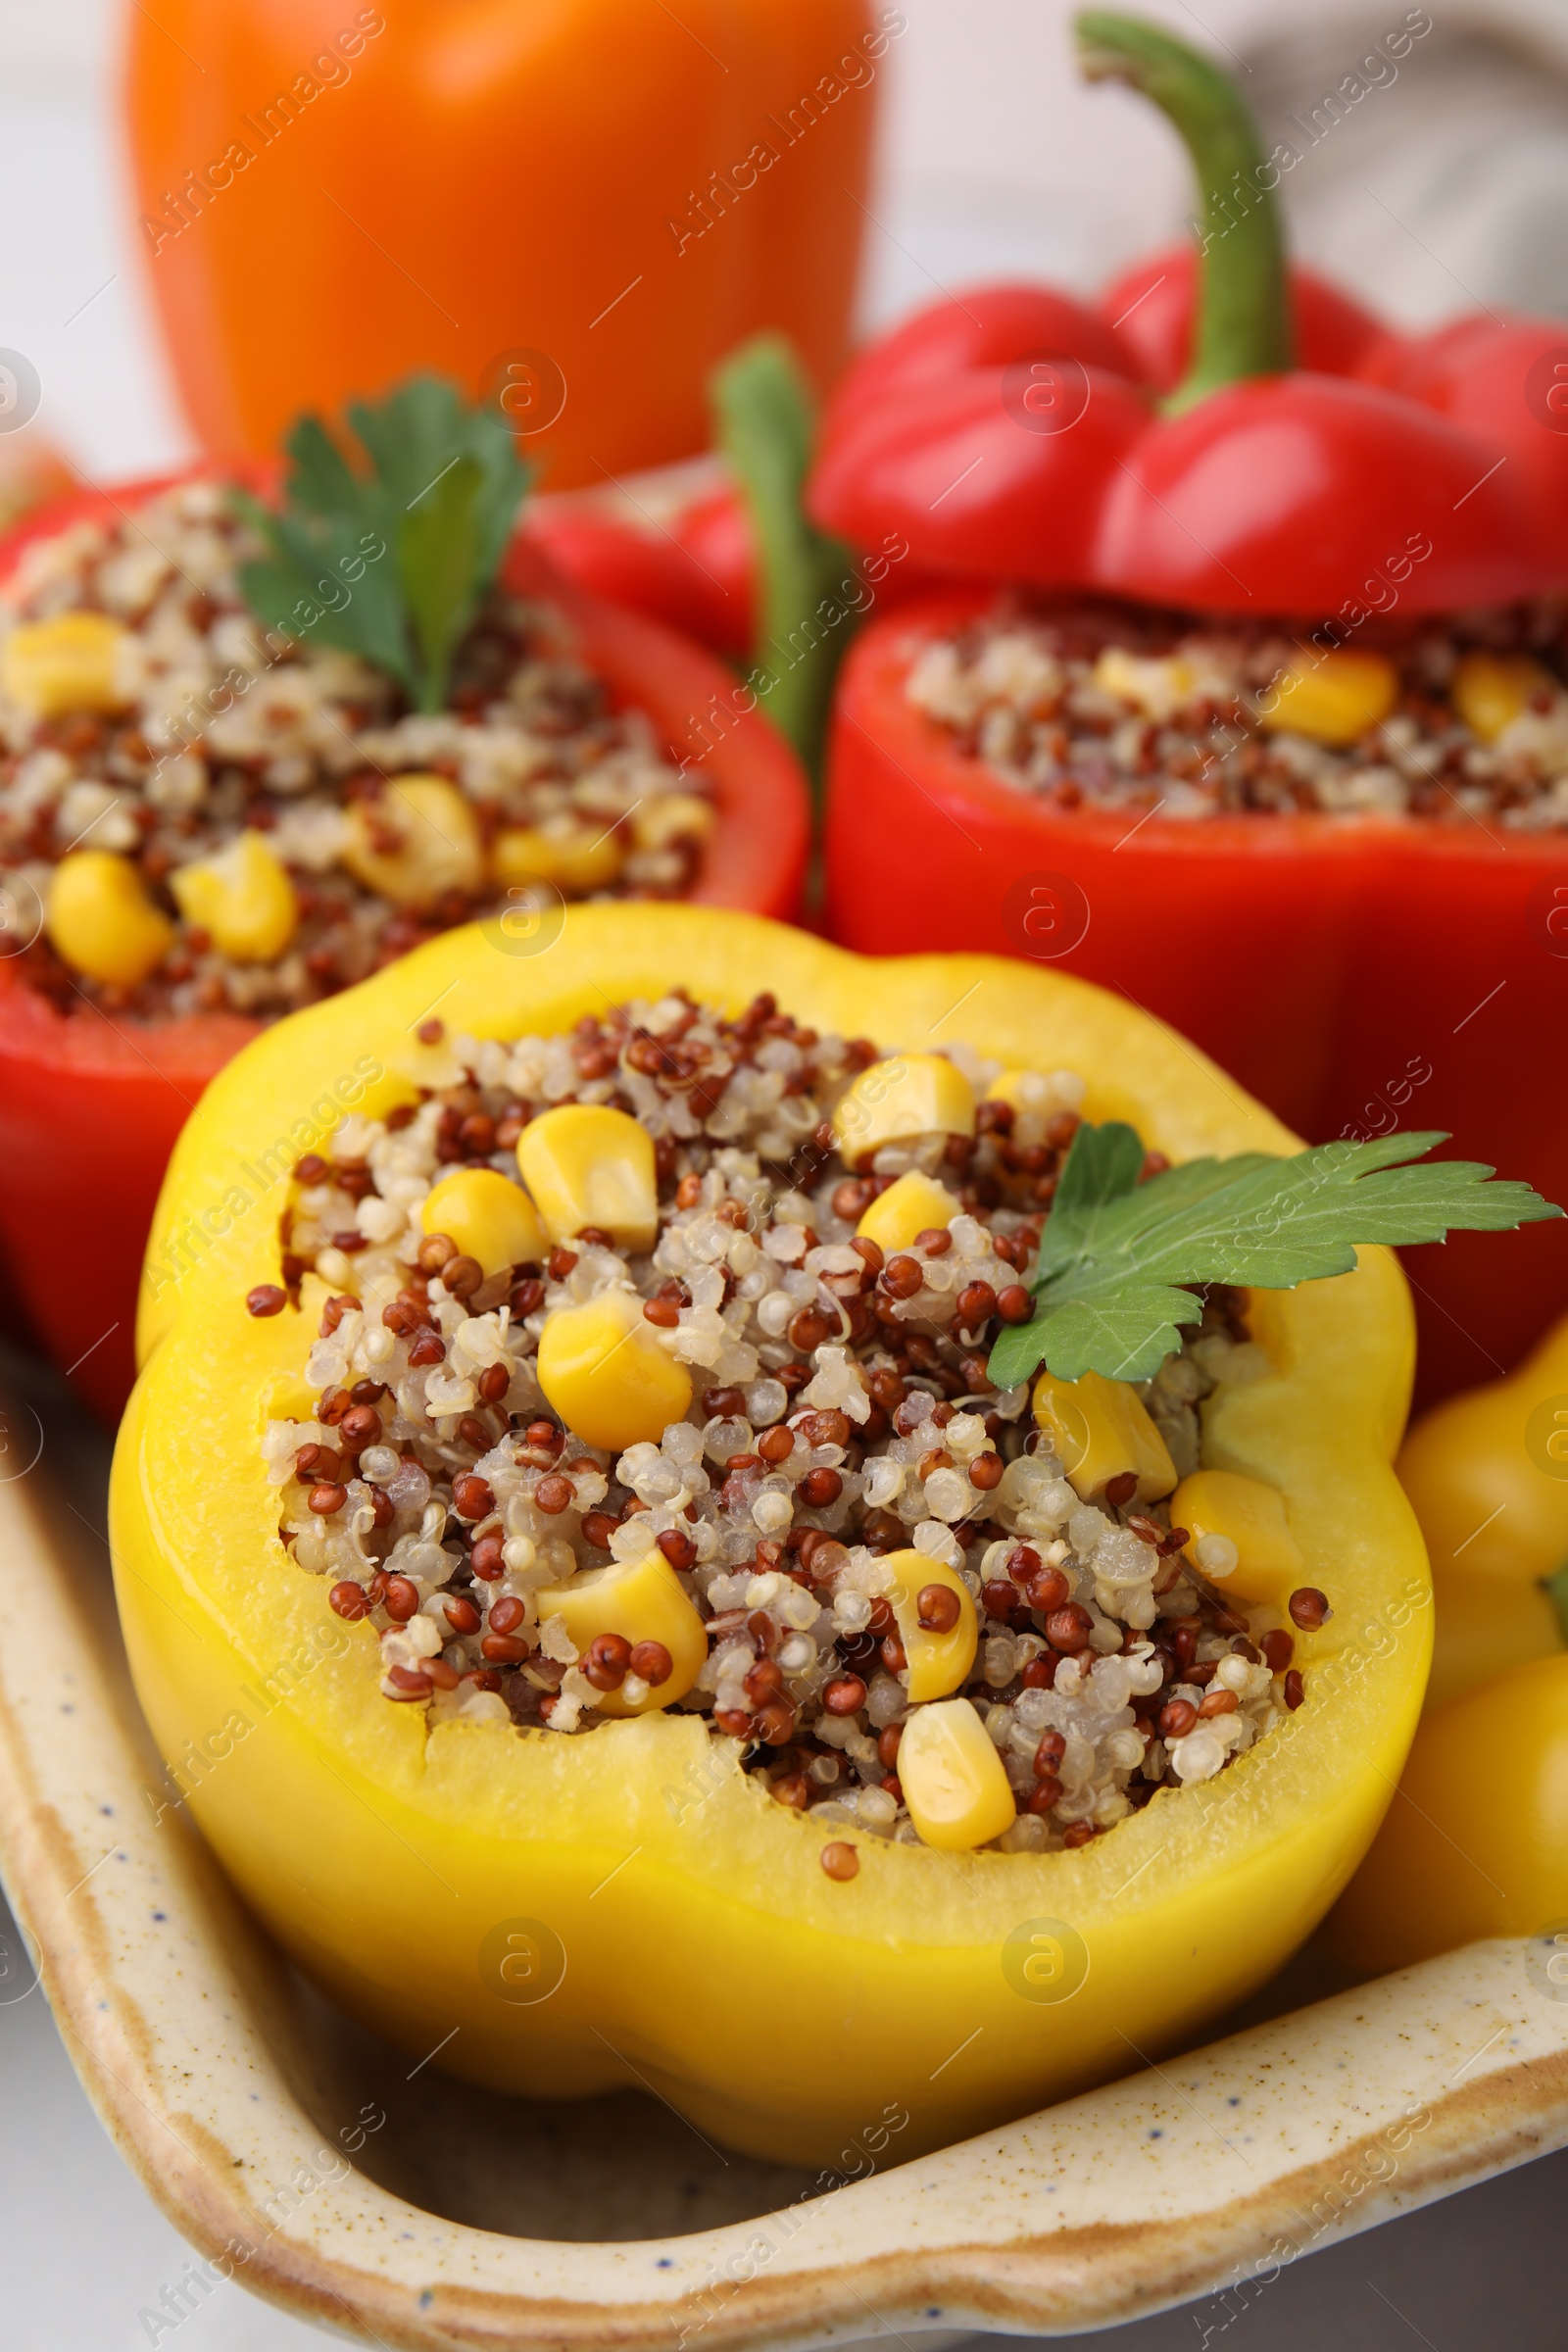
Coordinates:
(971, 184)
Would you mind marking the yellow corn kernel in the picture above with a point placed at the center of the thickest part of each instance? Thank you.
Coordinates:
(577, 857)
(1250, 1517)
(954, 1781)
(666, 816)
(1490, 690)
(606, 1374)
(488, 1216)
(907, 1207)
(641, 1600)
(242, 898)
(584, 1164)
(907, 1094)
(418, 840)
(75, 662)
(938, 1663)
(1100, 1428)
(1334, 700)
(1158, 687)
(101, 920)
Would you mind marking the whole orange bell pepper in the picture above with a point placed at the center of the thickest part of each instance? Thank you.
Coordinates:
(581, 207)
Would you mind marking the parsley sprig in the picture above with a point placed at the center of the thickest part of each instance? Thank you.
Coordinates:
(1117, 1258)
(390, 558)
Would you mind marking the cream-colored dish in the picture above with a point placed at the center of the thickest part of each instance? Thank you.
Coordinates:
(301, 2156)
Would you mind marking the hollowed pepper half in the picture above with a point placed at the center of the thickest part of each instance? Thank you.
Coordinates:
(667, 1901)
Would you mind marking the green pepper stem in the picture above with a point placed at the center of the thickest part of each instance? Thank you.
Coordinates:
(765, 420)
(1242, 325)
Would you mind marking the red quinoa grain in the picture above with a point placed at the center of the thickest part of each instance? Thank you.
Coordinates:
(652, 1662)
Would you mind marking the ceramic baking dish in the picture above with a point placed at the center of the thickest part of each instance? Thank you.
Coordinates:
(395, 2205)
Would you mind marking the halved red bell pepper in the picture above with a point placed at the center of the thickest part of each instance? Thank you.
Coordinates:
(1342, 971)
(90, 1106)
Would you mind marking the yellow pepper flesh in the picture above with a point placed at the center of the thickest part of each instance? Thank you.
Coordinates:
(1488, 1471)
(427, 1849)
(1488, 1475)
(1476, 1843)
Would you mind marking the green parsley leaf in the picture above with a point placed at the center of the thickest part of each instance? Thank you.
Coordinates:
(1117, 1258)
(765, 423)
(390, 558)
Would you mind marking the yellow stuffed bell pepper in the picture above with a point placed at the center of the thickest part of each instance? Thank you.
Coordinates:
(1476, 1843)
(629, 1904)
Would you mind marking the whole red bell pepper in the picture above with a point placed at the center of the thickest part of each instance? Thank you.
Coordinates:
(90, 1106)
(1163, 449)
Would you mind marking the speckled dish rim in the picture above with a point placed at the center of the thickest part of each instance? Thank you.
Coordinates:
(1212, 2171)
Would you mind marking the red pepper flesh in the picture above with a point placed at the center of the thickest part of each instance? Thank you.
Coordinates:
(1276, 495)
(689, 561)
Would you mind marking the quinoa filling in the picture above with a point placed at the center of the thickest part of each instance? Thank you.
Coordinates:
(841, 1419)
(1462, 719)
(178, 727)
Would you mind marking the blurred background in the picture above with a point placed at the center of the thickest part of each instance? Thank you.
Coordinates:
(1444, 184)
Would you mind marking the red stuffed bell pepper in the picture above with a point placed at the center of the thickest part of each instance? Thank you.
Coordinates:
(1249, 694)
(166, 897)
